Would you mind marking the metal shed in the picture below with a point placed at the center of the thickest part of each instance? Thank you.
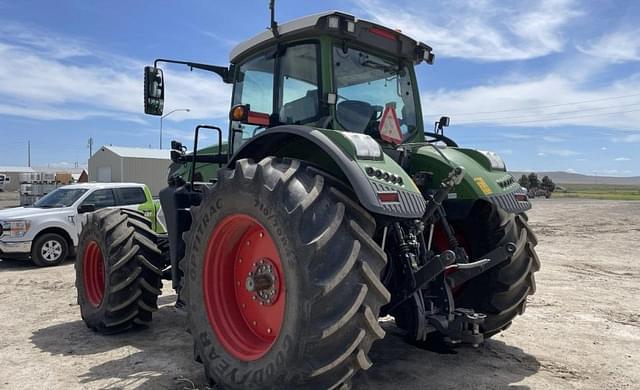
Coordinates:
(14, 174)
(113, 164)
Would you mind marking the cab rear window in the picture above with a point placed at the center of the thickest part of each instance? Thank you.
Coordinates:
(128, 196)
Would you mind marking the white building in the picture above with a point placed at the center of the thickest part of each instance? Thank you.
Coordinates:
(112, 164)
(14, 175)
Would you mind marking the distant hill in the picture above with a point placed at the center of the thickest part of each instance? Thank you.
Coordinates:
(576, 178)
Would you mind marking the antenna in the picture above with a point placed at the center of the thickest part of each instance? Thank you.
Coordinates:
(274, 24)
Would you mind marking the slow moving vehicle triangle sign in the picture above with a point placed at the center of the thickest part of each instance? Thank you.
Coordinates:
(390, 126)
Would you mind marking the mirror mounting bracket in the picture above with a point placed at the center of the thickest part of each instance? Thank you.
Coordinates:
(225, 73)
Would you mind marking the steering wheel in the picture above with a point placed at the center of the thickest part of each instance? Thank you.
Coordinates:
(439, 137)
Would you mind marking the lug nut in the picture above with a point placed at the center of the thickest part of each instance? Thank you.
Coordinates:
(370, 171)
(261, 234)
(254, 323)
(269, 330)
(378, 173)
(248, 243)
(385, 176)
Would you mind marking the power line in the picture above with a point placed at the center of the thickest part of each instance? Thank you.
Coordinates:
(548, 113)
(564, 118)
(546, 106)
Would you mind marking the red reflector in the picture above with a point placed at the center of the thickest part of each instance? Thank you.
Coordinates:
(521, 197)
(386, 34)
(389, 197)
(258, 118)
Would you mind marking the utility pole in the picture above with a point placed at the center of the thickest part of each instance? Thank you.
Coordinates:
(90, 146)
(166, 115)
(29, 152)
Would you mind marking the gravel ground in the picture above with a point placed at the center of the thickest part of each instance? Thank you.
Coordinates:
(580, 331)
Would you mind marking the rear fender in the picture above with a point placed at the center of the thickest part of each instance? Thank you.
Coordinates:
(334, 153)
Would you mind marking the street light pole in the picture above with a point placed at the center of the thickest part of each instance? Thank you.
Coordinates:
(166, 115)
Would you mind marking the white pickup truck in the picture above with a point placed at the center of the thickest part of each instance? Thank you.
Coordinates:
(48, 231)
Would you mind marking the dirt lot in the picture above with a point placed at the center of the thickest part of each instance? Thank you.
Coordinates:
(581, 330)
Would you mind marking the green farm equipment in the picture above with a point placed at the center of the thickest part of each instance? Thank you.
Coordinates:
(328, 206)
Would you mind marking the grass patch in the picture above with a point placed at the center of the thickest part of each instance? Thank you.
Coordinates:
(599, 191)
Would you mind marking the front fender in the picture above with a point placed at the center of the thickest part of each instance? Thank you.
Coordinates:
(334, 153)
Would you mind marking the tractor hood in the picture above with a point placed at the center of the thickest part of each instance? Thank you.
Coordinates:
(482, 179)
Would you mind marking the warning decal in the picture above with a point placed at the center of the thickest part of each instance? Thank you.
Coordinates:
(484, 187)
(390, 126)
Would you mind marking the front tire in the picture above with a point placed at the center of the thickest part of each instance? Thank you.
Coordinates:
(49, 249)
(500, 293)
(118, 271)
(316, 321)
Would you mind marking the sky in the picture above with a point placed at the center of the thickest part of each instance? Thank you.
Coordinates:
(551, 85)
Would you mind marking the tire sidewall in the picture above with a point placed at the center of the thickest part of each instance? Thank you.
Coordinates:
(37, 249)
(271, 369)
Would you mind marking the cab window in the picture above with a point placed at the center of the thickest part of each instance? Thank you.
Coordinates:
(130, 196)
(296, 83)
(101, 199)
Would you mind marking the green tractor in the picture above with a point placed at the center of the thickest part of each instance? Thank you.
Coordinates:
(328, 207)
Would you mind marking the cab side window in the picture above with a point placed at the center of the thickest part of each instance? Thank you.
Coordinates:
(101, 199)
(294, 73)
(130, 196)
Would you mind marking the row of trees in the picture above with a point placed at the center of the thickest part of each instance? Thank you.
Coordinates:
(531, 182)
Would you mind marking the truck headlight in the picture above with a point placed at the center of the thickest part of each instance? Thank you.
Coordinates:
(496, 161)
(14, 229)
(366, 147)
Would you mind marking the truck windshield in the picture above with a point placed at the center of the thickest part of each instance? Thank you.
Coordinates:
(61, 197)
(366, 85)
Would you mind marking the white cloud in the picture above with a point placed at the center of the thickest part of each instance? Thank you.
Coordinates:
(570, 170)
(525, 102)
(42, 80)
(631, 138)
(480, 30)
(561, 152)
(603, 148)
(622, 159)
(618, 46)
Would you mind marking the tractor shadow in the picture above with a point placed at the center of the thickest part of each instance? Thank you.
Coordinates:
(397, 364)
(160, 358)
(155, 358)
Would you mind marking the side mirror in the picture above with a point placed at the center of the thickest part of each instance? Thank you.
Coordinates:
(177, 151)
(86, 208)
(153, 91)
(443, 122)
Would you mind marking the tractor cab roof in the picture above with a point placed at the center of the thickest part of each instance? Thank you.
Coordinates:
(340, 25)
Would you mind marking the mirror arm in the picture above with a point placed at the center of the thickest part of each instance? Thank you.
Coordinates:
(225, 73)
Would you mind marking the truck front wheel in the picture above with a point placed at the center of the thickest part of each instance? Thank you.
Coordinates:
(49, 249)
(282, 279)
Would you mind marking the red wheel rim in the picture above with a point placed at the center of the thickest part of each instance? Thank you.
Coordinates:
(244, 287)
(93, 273)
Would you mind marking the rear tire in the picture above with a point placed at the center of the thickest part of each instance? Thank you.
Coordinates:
(118, 270)
(500, 293)
(329, 268)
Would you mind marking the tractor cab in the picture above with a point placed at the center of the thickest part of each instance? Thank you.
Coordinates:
(329, 71)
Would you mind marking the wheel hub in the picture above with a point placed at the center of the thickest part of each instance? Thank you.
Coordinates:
(262, 282)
